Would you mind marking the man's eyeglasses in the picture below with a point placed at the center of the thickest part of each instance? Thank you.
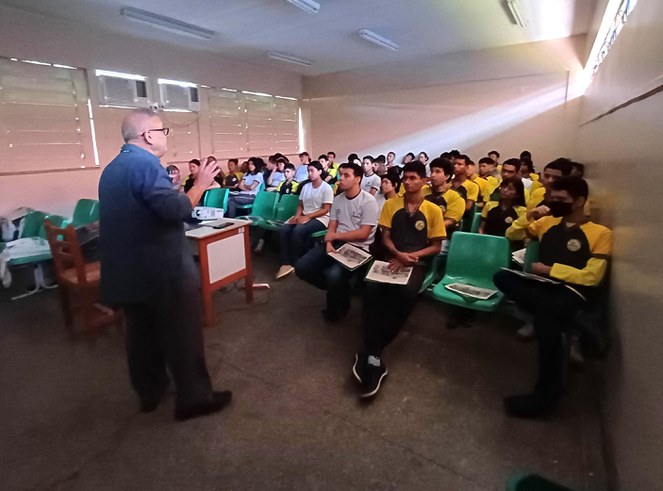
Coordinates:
(165, 130)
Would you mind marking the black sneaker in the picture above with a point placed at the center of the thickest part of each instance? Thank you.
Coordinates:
(218, 401)
(529, 405)
(375, 371)
(359, 367)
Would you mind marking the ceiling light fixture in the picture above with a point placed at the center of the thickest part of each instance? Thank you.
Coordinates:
(515, 13)
(377, 39)
(306, 5)
(275, 55)
(166, 23)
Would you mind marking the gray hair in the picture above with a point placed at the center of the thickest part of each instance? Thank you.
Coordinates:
(135, 123)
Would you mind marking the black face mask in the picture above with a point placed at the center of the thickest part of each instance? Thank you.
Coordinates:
(560, 208)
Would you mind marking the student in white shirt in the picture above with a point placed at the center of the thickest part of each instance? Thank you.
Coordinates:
(354, 217)
(315, 200)
(248, 187)
(371, 181)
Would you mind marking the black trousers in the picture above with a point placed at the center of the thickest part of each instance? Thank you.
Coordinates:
(386, 309)
(166, 332)
(554, 308)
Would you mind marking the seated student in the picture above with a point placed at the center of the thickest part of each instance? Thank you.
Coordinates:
(497, 216)
(219, 177)
(510, 169)
(234, 176)
(194, 167)
(289, 185)
(354, 216)
(461, 183)
(277, 175)
(572, 251)
(484, 186)
(444, 195)
(423, 158)
(301, 173)
(528, 174)
(391, 160)
(494, 155)
(389, 187)
(175, 177)
(315, 200)
(331, 173)
(371, 181)
(380, 165)
(331, 157)
(488, 171)
(409, 157)
(413, 229)
(551, 172)
(248, 187)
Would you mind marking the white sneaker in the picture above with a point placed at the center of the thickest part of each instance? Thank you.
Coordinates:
(259, 246)
(526, 332)
(284, 270)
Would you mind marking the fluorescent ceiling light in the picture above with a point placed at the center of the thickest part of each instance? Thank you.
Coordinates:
(515, 13)
(33, 62)
(162, 81)
(128, 76)
(377, 39)
(275, 55)
(306, 5)
(167, 23)
(256, 93)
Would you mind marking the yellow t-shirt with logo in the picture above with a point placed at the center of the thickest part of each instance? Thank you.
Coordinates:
(412, 232)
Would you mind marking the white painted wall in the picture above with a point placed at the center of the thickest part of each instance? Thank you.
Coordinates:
(30, 36)
(624, 150)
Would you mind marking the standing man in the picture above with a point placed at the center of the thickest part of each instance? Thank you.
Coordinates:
(147, 269)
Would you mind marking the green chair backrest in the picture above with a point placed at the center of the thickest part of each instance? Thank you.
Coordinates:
(216, 198)
(263, 206)
(474, 258)
(94, 214)
(58, 221)
(83, 212)
(286, 207)
(466, 224)
(33, 223)
(531, 255)
(476, 221)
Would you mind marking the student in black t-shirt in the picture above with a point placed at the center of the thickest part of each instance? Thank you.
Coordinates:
(497, 216)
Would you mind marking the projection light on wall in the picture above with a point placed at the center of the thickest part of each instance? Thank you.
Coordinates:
(166, 23)
(306, 5)
(377, 39)
(275, 55)
(515, 13)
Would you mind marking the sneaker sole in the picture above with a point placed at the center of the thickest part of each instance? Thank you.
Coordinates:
(377, 387)
(354, 369)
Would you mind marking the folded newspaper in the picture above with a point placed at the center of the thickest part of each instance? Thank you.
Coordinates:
(381, 273)
(465, 290)
(530, 276)
(350, 256)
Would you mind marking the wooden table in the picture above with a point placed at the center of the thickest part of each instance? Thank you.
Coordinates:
(225, 257)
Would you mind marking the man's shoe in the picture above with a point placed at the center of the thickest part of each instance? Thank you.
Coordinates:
(259, 246)
(284, 270)
(529, 405)
(359, 367)
(218, 401)
(372, 377)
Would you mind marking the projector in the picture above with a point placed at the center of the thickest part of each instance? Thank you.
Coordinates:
(207, 213)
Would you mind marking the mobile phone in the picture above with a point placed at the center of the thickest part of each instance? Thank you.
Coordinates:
(222, 225)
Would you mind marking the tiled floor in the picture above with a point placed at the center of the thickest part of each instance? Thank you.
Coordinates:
(70, 420)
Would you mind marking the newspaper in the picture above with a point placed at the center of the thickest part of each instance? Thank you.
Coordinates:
(465, 290)
(531, 276)
(350, 256)
(380, 273)
(519, 256)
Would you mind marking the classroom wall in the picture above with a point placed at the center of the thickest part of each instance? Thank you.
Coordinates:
(624, 151)
(30, 36)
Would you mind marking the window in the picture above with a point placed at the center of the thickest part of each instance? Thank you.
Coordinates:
(624, 9)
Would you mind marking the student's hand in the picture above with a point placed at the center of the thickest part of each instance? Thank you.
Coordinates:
(538, 212)
(541, 269)
(330, 247)
(208, 171)
(330, 236)
(302, 219)
(406, 259)
(395, 265)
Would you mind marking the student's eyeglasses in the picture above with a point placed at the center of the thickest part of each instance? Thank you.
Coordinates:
(164, 130)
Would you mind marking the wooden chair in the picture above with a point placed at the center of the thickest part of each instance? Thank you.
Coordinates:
(76, 277)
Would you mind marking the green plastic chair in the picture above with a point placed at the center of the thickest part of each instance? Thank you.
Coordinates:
(83, 212)
(320, 234)
(531, 255)
(249, 206)
(476, 222)
(262, 207)
(474, 259)
(431, 273)
(466, 224)
(94, 214)
(33, 223)
(57, 221)
(285, 208)
(217, 198)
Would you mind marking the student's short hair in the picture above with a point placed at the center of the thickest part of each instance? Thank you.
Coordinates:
(211, 157)
(369, 157)
(580, 167)
(234, 161)
(576, 186)
(561, 164)
(304, 154)
(381, 159)
(415, 166)
(394, 179)
(171, 168)
(527, 162)
(272, 159)
(494, 152)
(513, 162)
(445, 164)
(414, 157)
(195, 161)
(279, 155)
(518, 186)
(352, 157)
(331, 153)
(323, 156)
(446, 155)
(391, 153)
(281, 160)
(462, 156)
(290, 166)
(356, 169)
(487, 160)
(425, 154)
(454, 153)
(316, 164)
(525, 154)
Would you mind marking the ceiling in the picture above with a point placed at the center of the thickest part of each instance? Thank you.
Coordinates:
(247, 29)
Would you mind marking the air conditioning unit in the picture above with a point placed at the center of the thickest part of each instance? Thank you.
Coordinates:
(177, 97)
(117, 91)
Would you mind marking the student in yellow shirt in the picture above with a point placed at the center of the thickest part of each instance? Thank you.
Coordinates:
(484, 186)
(443, 195)
(551, 172)
(488, 171)
(461, 183)
(574, 253)
(497, 216)
(234, 176)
